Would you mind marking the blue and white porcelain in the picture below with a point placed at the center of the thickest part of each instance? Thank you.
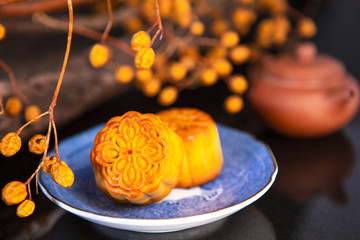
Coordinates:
(248, 172)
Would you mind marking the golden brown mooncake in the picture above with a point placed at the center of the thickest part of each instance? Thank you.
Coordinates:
(198, 131)
(137, 158)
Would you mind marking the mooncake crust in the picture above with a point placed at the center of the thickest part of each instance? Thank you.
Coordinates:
(198, 131)
(136, 158)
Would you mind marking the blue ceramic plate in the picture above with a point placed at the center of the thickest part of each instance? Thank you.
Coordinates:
(248, 172)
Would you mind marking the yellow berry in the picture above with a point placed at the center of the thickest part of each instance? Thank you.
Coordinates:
(306, 27)
(14, 192)
(233, 104)
(143, 76)
(243, 17)
(133, 24)
(188, 61)
(229, 39)
(144, 59)
(99, 55)
(25, 209)
(152, 87)
(140, 40)
(219, 26)
(208, 76)
(177, 71)
(37, 144)
(2, 32)
(124, 74)
(168, 96)
(182, 12)
(32, 112)
(216, 53)
(281, 30)
(10, 144)
(275, 7)
(62, 174)
(166, 8)
(240, 54)
(48, 163)
(223, 67)
(264, 33)
(197, 28)
(238, 83)
(13, 106)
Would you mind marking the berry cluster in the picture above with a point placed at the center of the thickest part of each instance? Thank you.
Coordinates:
(203, 42)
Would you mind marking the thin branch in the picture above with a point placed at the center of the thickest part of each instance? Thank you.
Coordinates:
(1, 105)
(31, 121)
(109, 24)
(35, 6)
(83, 31)
(13, 81)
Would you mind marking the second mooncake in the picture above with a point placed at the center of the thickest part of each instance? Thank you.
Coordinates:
(198, 131)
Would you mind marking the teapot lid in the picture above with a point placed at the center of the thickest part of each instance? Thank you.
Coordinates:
(306, 65)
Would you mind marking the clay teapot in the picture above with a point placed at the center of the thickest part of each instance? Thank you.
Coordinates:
(304, 94)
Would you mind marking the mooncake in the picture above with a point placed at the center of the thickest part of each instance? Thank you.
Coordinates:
(198, 132)
(137, 158)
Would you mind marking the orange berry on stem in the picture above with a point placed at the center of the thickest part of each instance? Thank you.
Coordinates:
(32, 112)
(13, 106)
(238, 84)
(48, 163)
(152, 87)
(99, 55)
(140, 40)
(233, 104)
(208, 76)
(177, 71)
(197, 28)
(25, 209)
(223, 67)
(62, 174)
(2, 32)
(10, 144)
(14, 192)
(37, 144)
(306, 27)
(124, 74)
(229, 39)
(144, 59)
(240, 54)
(168, 96)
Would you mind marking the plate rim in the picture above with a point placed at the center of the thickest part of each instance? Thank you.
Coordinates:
(130, 223)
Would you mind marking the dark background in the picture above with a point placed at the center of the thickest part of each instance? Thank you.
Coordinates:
(296, 207)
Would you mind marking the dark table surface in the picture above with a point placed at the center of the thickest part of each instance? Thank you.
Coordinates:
(316, 193)
(315, 196)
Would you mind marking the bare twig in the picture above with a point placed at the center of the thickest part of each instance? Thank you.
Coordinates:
(13, 81)
(83, 31)
(29, 8)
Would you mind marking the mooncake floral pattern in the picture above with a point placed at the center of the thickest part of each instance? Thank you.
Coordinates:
(131, 154)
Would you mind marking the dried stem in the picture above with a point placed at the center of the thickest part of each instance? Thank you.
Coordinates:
(13, 82)
(109, 24)
(56, 140)
(8, 2)
(1, 105)
(55, 96)
(34, 6)
(31, 121)
(159, 23)
(83, 31)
